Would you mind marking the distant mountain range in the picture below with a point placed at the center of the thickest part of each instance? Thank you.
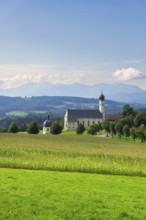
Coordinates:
(117, 92)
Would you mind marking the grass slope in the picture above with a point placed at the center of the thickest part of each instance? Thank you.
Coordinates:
(52, 195)
(73, 153)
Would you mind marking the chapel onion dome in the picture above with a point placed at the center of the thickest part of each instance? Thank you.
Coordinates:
(102, 97)
(47, 123)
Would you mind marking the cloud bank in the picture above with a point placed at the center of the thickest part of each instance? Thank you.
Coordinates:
(16, 75)
(128, 74)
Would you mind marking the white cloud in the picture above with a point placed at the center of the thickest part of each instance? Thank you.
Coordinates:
(16, 75)
(128, 74)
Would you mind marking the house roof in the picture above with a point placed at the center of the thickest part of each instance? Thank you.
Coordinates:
(74, 115)
(113, 117)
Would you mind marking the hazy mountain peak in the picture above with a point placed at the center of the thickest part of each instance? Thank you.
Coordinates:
(116, 91)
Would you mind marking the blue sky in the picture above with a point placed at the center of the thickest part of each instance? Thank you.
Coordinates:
(69, 41)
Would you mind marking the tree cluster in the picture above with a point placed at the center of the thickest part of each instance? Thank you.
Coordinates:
(132, 124)
(31, 128)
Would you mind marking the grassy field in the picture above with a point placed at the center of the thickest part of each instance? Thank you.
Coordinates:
(73, 153)
(44, 195)
(17, 113)
(23, 113)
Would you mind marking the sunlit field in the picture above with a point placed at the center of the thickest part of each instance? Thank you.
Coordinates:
(73, 153)
(34, 189)
(44, 195)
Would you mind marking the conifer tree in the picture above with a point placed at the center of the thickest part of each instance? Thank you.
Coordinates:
(13, 128)
(33, 128)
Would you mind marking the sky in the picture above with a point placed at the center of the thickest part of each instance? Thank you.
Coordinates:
(72, 41)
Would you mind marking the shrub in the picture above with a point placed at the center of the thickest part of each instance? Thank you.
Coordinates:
(80, 129)
(13, 128)
(33, 128)
(92, 130)
(98, 127)
(55, 128)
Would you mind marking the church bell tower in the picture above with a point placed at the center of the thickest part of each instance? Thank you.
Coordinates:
(101, 105)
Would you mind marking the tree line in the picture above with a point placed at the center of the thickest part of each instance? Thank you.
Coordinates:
(33, 128)
(132, 123)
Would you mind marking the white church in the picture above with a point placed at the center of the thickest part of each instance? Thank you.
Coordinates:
(75, 117)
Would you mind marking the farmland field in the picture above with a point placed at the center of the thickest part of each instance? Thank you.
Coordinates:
(73, 153)
(17, 113)
(36, 190)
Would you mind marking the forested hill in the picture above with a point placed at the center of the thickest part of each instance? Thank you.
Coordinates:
(57, 104)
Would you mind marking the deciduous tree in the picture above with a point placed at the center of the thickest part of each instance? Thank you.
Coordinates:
(126, 131)
(119, 128)
(132, 133)
(140, 132)
(112, 128)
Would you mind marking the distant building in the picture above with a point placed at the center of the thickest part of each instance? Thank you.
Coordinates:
(114, 117)
(74, 117)
(46, 126)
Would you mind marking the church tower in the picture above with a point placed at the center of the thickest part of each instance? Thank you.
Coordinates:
(101, 105)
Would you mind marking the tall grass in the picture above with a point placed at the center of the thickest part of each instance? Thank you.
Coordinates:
(73, 153)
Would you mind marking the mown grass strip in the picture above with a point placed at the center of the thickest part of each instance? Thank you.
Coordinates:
(51, 195)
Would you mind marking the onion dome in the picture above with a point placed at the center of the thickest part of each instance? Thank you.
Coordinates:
(47, 123)
(102, 97)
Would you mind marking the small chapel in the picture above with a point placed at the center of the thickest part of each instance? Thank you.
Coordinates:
(46, 125)
(74, 117)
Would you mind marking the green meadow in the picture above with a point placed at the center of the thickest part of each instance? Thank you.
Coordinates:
(23, 113)
(100, 178)
(17, 113)
(43, 195)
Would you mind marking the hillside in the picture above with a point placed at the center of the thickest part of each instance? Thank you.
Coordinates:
(55, 104)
